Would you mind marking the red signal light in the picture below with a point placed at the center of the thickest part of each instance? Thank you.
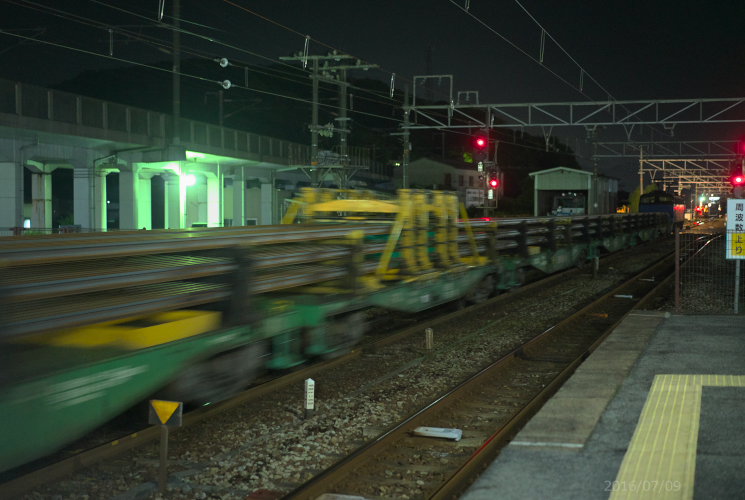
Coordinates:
(738, 180)
(494, 183)
(480, 142)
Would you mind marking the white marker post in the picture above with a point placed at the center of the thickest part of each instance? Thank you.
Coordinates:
(310, 397)
(428, 339)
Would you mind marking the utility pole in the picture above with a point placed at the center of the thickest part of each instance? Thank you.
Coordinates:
(344, 130)
(641, 171)
(176, 75)
(334, 71)
(314, 125)
(406, 133)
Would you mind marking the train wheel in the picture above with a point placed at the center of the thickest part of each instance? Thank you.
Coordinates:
(517, 279)
(344, 332)
(482, 291)
(581, 261)
(219, 377)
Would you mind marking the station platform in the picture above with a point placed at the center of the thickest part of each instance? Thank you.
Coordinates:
(657, 411)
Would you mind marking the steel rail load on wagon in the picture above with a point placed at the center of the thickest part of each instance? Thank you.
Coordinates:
(91, 324)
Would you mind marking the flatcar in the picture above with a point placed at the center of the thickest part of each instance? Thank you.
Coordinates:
(92, 324)
(663, 202)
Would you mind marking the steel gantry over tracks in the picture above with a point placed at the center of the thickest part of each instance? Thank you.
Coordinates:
(588, 114)
(700, 163)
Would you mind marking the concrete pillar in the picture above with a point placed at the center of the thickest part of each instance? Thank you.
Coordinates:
(174, 202)
(128, 192)
(100, 204)
(41, 198)
(11, 195)
(213, 194)
(266, 215)
(144, 200)
(239, 197)
(89, 198)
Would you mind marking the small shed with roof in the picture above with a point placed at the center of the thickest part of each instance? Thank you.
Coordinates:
(570, 191)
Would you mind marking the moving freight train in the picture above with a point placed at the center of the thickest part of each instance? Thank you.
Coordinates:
(95, 323)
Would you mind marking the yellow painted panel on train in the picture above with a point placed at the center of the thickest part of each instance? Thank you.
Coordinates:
(372, 206)
(134, 333)
(166, 327)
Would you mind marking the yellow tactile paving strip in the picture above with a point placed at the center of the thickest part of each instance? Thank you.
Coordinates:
(661, 459)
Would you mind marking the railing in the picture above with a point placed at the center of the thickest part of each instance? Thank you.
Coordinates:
(95, 117)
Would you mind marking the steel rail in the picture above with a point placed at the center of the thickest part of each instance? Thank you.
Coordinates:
(43, 281)
(43, 249)
(374, 452)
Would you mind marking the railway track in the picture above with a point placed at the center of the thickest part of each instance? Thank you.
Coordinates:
(437, 452)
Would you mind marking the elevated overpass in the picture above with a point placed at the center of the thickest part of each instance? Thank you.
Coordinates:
(211, 175)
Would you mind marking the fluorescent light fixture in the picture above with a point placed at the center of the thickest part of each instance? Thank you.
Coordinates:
(190, 179)
(193, 155)
(173, 166)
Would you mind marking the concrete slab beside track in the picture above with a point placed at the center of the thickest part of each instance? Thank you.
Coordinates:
(655, 412)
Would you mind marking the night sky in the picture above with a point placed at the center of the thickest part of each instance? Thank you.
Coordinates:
(653, 49)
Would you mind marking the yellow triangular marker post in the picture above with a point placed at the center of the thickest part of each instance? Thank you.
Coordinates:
(165, 414)
(164, 409)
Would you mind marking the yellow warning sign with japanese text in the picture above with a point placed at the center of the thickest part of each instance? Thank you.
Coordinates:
(735, 229)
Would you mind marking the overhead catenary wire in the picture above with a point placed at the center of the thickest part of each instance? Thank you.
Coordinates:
(380, 97)
(583, 71)
(195, 77)
(514, 45)
(306, 38)
(293, 77)
(162, 45)
(194, 52)
(540, 61)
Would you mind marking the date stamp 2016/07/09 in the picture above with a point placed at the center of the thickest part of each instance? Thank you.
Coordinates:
(645, 485)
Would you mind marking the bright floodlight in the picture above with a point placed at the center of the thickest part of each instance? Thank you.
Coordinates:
(190, 179)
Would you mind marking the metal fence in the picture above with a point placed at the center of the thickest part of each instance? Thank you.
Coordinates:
(710, 283)
(95, 118)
